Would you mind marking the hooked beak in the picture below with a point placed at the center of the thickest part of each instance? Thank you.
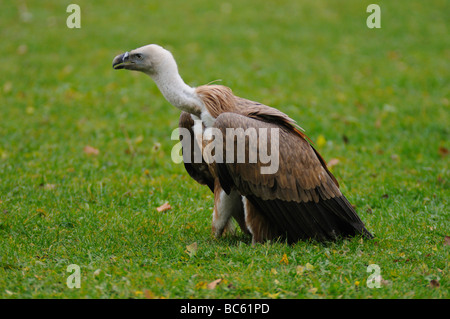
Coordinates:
(121, 61)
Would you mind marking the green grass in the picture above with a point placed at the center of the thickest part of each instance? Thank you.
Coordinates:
(377, 99)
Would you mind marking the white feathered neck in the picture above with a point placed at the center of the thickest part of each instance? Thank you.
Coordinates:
(172, 86)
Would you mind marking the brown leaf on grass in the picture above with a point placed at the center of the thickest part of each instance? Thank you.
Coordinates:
(213, 284)
(22, 49)
(89, 150)
(7, 87)
(201, 285)
(393, 55)
(312, 290)
(345, 139)
(97, 272)
(378, 123)
(385, 196)
(284, 260)
(384, 282)
(434, 283)
(332, 162)
(156, 147)
(273, 296)
(443, 151)
(139, 139)
(149, 294)
(191, 249)
(9, 292)
(164, 207)
(49, 186)
(447, 240)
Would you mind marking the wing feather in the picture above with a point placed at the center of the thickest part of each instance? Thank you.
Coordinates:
(302, 198)
(198, 171)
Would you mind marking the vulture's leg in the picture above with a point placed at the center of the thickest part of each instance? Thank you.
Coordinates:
(225, 207)
(239, 214)
(260, 228)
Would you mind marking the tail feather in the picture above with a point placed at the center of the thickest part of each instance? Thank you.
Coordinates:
(327, 220)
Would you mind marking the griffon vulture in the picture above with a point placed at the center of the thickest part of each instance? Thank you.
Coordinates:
(299, 200)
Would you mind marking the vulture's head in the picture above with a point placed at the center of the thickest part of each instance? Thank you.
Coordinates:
(150, 59)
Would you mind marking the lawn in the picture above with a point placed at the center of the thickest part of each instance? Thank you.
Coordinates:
(85, 150)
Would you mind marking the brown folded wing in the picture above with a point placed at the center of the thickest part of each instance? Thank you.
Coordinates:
(301, 198)
(198, 170)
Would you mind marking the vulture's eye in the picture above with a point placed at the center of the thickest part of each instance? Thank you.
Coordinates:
(139, 56)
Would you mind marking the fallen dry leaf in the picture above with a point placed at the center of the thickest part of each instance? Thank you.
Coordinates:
(22, 49)
(378, 123)
(383, 281)
(447, 240)
(156, 147)
(49, 186)
(213, 284)
(201, 285)
(97, 272)
(312, 290)
(29, 110)
(345, 139)
(443, 151)
(332, 162)
(284, 260)
(191, 249)
(164, 207)
(139, 139)
(7, 87)
(89, 150)
(149, 294)
(308, 266)
(273, 296)
(434, 283)
(393, 55)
